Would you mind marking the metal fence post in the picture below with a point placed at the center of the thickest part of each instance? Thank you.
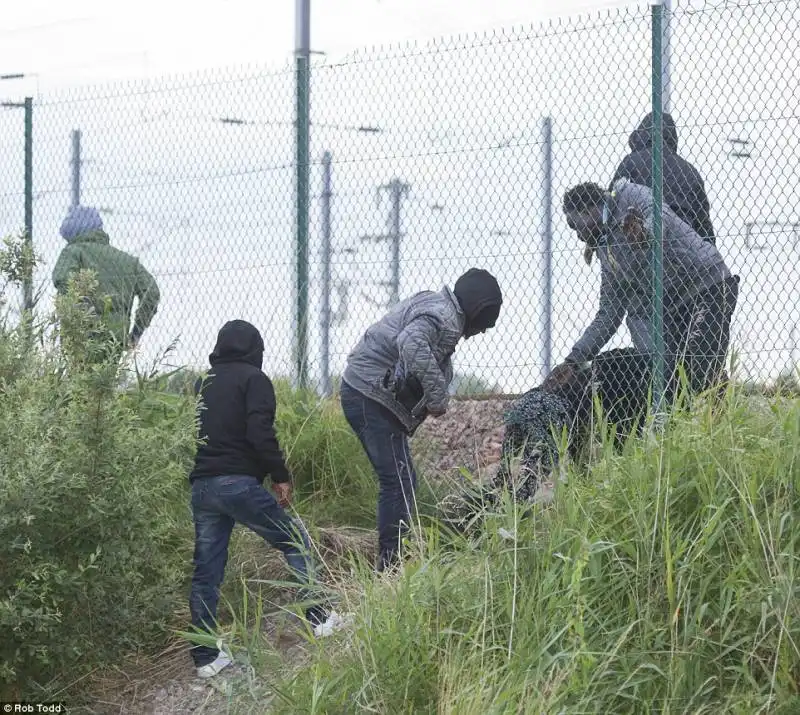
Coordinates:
(325, 311)
(76, 167)
(547, 128)
(397, 189)
(658, 200)
(666, 56)
(302, 123)
(28, 282)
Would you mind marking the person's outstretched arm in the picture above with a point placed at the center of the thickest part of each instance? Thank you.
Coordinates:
(609, 316)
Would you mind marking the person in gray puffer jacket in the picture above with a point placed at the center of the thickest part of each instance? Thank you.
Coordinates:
(398, 374)
(700, 294)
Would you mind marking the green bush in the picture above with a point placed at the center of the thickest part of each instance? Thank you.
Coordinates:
(663, 582)
(94, 525)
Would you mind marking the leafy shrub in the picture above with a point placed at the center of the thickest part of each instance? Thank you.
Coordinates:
(94, 525)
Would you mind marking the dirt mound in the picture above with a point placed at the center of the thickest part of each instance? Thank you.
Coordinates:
(469, 437)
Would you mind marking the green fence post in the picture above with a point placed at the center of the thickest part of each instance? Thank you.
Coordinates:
(302, 92)
(657, 251)
(28, 284)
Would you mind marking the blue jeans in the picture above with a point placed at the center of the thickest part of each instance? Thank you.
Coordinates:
(386, 443)
(217, 504)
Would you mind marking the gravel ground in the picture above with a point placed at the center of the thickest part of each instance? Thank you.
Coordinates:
(468, 437)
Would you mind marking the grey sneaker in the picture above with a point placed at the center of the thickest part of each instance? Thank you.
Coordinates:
(209, 671)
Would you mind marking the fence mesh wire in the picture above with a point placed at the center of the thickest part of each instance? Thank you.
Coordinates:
(459, 152)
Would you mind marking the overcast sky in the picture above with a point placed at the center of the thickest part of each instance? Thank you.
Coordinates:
(209, 209)
(87, 41)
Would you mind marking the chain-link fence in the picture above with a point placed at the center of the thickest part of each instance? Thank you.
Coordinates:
(440, 157)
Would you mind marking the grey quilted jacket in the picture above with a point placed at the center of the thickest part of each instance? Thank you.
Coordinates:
(417, 337)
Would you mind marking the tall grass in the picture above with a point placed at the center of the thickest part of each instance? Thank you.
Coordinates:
(334, 480)
(662, 582)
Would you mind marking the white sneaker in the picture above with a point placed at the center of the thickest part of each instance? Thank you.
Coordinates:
(334, 622)
(212, 669)
(506, 535)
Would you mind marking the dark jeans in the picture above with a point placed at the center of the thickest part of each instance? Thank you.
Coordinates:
(386, 443)
(217, 504)
(698, 335)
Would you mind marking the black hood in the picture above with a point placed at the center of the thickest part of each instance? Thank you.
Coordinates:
(641, 138)
(480, 298)
(238, 341)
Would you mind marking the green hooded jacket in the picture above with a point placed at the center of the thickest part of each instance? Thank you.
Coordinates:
(120, 276)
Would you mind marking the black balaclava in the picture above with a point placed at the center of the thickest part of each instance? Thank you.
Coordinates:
(480, 298)
(238, 341)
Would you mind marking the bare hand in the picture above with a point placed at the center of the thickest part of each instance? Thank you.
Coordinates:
(559, 376)
(633, 227)
(283, 493)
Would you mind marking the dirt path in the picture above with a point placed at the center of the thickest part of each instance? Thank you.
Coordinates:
(165, 684)
(468, 437)
(168, 685)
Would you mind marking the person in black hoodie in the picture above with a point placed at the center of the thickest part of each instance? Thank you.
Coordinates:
(238, 449)
(684, 190)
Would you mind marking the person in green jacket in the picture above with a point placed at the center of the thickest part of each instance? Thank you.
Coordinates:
(120, 276)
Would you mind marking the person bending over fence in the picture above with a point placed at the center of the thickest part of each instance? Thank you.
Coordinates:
(699, 291)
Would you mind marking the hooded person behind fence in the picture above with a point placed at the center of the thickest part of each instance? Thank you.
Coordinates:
(120, 276)
(684, 190)
(398, 374)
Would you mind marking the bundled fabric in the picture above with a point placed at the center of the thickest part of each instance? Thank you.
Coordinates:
(532, 428)
(618, 380)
